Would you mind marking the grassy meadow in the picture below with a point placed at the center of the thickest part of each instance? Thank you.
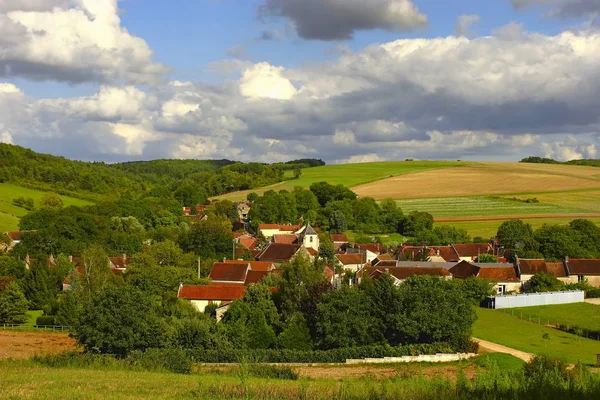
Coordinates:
(583, 315)
(9, 213)
(499, 327)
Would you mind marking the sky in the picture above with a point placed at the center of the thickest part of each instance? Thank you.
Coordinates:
(345, 81)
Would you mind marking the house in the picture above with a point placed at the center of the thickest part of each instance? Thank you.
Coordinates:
(504, 274)
(432, 253)
(202, 296)
(15, 237)
(339, 241)
(400, 274)
(352, 261)
(370, 250)
(240, 272)
(268, 230)
(200, 209)
(527, 268)
(308, 237)
(470, 252)
(243, 208)
(583, 269)
(279, 253)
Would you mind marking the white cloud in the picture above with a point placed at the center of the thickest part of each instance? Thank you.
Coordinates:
(266, 81)
(335, 19)
(363, 158)
(6, 137)
(344, 138)
(570, 148)
(464, 23)
(72, 41)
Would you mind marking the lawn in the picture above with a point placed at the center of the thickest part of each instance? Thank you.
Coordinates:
(582, 199)
(9, 213)
(351, 174)
(583, 315)
(387, 239)
(480, 206)
(498, 327)
(489, 228)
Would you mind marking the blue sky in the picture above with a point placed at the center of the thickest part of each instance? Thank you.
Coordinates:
(338, 80)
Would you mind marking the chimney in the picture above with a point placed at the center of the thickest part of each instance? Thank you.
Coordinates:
(437, 252)
(567, 266)
(70, 259)
(124, 257)
(180, 287)
(224, 259)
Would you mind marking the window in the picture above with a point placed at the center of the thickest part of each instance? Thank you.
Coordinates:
(501, 289)
(311, 239)
(580, 278)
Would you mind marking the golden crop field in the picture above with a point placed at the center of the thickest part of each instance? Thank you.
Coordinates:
(482, 179)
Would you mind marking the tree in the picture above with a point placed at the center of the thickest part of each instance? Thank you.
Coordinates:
(13, 305)
(51, 201)
(417, 221)
(588, 235)
(295, 335)
(251, 197)
(542, 282)
(345, 319)
(129, 225)
(327, 250)
(260, 298)
(391, 215)
(226, 209)
(37, 285)
(247, 328)
(326, 192)
(69, 309)
(386, 304)
(558, 241)
(486, 258)
(476, 289)
(337, 222)
(94, 272)
(514, 234)
(120, 319)
(211, 239)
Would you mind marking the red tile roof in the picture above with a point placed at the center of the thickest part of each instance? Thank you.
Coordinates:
(499, 274)
(372, 247)
(406, 272)
(279, 252)
(534, 266)
(283, 228)
(312, 251)
(255, 276)
(234, 272)
(17, 236)
(249, 243)
(447, 253)
(328, 272)
(285, 238)
(349, 259)
(212, 292)
(338, 237)
(472, 250)
(584, 266)
(464, 270)
(120, 262)
(254, 265)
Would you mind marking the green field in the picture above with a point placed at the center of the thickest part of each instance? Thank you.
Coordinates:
(583, 315)
(489, 228)
(9, 213)
(351, 174)
(481, 206)
(498, 327)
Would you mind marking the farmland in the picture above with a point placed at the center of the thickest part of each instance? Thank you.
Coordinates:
(352, 174)
(9, 213)
(583, 315)
(498, 327)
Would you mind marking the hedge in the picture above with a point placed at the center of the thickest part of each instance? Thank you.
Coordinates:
(226, 356)
(45, 320)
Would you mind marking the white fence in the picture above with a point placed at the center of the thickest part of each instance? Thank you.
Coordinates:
(535, 299)
(431, 358)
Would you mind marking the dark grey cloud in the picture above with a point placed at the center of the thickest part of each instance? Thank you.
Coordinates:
(564, 8)
(339, 20)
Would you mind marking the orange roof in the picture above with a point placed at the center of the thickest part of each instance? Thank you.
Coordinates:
(338, 237)
(268, 226)
(372, 247)
(464, 270)
(255, 276)
(349, 259)
(472, 250)
(499, 274)
(249, 243)
(312, 251)
(580, 266)
(254, 265)
(279, 252)
(285, 238)
(328, 272)
(406, 272)
(232, 272)
(532, 267)
(212, 292)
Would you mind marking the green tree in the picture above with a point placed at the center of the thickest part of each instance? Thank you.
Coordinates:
(51, 201)
(392, 216)
(94, 272)
(558, 241)
(417, 221)
(260, 298)
(120, 319)
(386, 306)
(252, 197)
(486, 258)
(13, 305)
(542, 282)
(476, 289)
(37, 285)
(514, 234)
(247, 328)
(295, 335)
(69, 309)
(211, 239)
(228, 210)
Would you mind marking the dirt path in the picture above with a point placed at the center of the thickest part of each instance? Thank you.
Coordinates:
(498, 348)
(593, 301)
(525, 216)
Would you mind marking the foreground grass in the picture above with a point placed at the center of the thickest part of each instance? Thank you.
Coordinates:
(583, 315)
(9, 214)
(498, 327)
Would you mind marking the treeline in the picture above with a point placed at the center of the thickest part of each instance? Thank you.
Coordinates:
(579, 239)
(543, 160)
(335, 208)
(134, 180)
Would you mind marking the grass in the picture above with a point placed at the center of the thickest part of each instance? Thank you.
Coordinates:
(506, 362)
(498, 327)
(583, 199)
(386, 239)
(351, 174)
(9, 213)
(480, 206)
(488, 228)
(583, 315)
(32, 316)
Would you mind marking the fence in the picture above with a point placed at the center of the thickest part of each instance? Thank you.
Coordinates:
(534, 299)
(35, 327)
(536, 319)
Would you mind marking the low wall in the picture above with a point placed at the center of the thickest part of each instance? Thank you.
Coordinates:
(535, 299)
(433, 358)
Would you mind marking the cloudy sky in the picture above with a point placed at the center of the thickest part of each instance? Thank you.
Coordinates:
(273, 80)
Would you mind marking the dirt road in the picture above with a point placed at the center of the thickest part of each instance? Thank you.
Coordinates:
(498, 348)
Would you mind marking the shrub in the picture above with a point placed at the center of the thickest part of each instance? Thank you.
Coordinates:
(272, 372)
(45, 320)
(593, 294)
(174, 360)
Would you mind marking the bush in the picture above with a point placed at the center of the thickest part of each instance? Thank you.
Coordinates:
(231, 355)
(174, 360)
(272, 372)
(593, 294)
(45, 320)
(75, 360)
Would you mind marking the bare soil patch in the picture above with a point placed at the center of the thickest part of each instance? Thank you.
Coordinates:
(482, 179)
(16, 344)
(384, 372)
